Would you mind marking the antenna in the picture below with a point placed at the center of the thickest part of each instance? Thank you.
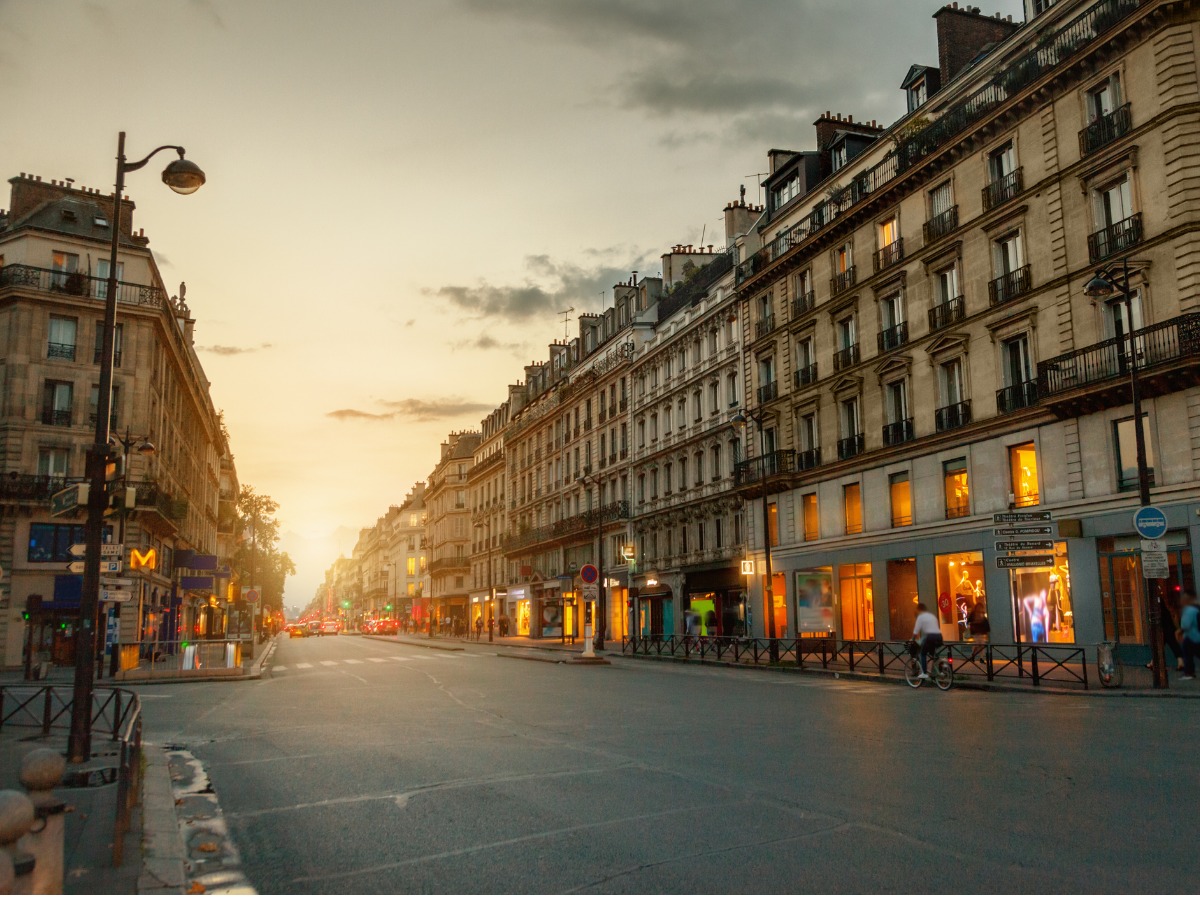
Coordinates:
(702, 232)
(757, 176)
(566, 314)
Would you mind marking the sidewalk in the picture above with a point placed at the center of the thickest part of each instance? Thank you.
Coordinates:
(450, 642)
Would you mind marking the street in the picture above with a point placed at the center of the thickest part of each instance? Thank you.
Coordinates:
(376, 766)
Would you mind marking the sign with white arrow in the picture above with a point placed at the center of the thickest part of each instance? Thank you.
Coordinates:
(115, 596)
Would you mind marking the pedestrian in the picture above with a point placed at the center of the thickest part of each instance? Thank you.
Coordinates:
(1170, 627)
(710, 623)
(929, 633)
(981, 628)
(1189, 634)
(478, 627)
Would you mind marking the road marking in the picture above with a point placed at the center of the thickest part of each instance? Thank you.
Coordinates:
(376, 659)
(399, 658)
(279, 668)
(329, 662)
(304, 665)
(352, 662)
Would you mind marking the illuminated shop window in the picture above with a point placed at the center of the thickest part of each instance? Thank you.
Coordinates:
(1022, 464)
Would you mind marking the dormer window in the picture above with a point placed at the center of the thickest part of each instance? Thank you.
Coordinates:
(918, 93)
(785, 192)
(838, 156)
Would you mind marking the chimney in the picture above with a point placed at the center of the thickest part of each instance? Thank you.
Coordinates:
(739, 219)
(962, 34)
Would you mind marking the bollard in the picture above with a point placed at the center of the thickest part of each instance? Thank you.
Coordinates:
(7, 875)
(16, 817)
(42, 771)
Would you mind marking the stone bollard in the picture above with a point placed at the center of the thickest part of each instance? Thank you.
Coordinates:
(16, 818)
(7, 875)
(42, 771)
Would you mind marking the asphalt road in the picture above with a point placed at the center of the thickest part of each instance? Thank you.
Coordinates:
(363, 766)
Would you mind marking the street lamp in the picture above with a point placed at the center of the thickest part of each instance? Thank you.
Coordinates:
(739, 420)
(183, 177)
(1101, 286)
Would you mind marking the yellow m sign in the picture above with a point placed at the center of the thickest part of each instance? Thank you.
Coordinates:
(143, 560)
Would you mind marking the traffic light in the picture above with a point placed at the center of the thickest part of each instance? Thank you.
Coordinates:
(33, 604)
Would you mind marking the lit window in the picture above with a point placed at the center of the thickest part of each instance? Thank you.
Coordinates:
(958, 498)
(1022, 463)
(852, 502)
(900, 489)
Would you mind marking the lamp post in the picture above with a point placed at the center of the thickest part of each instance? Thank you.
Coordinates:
(768, 598)
(145, 448)
(1102, 285)
(183, 177)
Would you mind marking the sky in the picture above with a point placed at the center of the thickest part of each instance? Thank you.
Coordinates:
(402, 197)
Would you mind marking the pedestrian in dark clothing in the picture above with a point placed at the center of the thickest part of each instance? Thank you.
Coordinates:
(478, 627)
(1189, 632)
(1170, 627)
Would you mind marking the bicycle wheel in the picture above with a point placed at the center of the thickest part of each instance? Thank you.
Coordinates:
(912, 672)
(943, 674)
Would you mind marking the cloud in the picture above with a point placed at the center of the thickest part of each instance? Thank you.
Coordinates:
(223, 350)
(551, 287)
(488, 342)
(416, 410)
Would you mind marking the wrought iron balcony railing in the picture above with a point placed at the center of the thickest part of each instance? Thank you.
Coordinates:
(803, 303)
(947, 313)
(808, 459)
(1004, 188)
(891, 338)
(768, 392)
(956, 415)
(31, 488)
(1104, 130)
(889, 255)
(566, 528)
(1010, 286)
(756, 469)
(1116, 238)
(59, 417)
(851, 446)
(842, 281)
(845, 357)
(60, 351)
(941, 225)
(898, 432)
(805, 375)
(79, 285)
(1017, 396)
(765, 325)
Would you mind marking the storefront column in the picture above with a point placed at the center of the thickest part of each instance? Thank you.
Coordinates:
(998, 584)
(879, 599)
(1084, 561)
(927, 584)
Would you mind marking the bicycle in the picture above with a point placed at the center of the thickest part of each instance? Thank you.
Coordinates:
(942, 669)
(1108, 666)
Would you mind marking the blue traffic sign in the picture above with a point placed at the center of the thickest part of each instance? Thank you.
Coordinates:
(1150, 522)
(589, 574)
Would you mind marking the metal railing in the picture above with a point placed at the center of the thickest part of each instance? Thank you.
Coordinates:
(947, 313)
(803, 303)
(1017, 396)
(889, 255)
(751, 471)
(1010, 285)
(805, 375)
(764, 325)
(941, 225)
(850, 446)
(768, 392)
(32, 488)
(1105, 129)
(1116, 238)
(842, 281)
(1004, 188)
(891, 338)
(898, 432)
(1056, 665)
(79, 285)
(845, 357)
(956, 415)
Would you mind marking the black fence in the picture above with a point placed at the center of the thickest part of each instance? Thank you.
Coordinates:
(1041, 665)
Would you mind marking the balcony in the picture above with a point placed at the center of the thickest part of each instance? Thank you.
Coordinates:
(888, 256)
(59, 417)
(447, 564)
(1016, 396)
(764, 326)
(79, 285)
(157, 509)
(804, 303)
(760, 470)
(1097, 377)
(891, 338)
(15, 488)
(768, 392)
(941, 225)
(808, 459)
(805, 375)
(898, 432)
(116, 357)
(1104, 130)
(946, 314)
(60, 351)
(1010, 286)
(851, 446)
(845, 357)
(565, 529)
(842, 281)
(956, 415)
(1003, 189)
(1116, 238)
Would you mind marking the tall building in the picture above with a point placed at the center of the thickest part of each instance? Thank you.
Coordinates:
(935, 385)
(485, 492)
(406, 559)
(54, 258)
(448, 527)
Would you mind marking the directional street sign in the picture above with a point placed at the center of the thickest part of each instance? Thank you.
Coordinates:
(115, 596)
(1024, 562)
(69, 499)
(76, 568)
(1005, 518)
(107, 567)
(1017, 546)
(1020, 530)
(117, 584)
(107, 551)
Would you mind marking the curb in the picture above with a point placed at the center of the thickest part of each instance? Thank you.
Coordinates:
(164, 856)
(254, 673)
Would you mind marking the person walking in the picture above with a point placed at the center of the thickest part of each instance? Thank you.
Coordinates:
(1170, 628)
(478, 627)
(1189, 633)
(981, 629)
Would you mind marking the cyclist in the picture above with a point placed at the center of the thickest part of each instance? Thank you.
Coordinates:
(929, 633)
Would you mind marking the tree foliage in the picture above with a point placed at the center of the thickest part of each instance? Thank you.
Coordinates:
(258, 559)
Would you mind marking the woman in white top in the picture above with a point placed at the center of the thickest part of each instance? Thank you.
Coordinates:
(929, 633)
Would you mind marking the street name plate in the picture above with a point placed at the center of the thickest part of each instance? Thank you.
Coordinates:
(68, 499)
(1024, 562)
(1011, 546)
(1009, 517)
(115, 596)
(1018, 530)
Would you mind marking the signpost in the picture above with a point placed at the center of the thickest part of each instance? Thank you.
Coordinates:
(1024, 545)
(1017, 546)
(1024, 562)
(590, 594)
(1009, 517)
(69, 499)
(1154, 559)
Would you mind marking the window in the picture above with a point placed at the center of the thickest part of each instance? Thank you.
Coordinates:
(900, 491)
(1007, 254)
(61, 344)
(1023, 469)
(52, 462)
(941, 199)
(773, 523)
(808, 506)
(838, 156)
(899, 426)
(713, 391)
(1125, 440)
(653, 427)
(52, 543)
(893, 330)
(946, 284)
(951, 380)
(714, 455)
(731, 389)
(850, 420)
(411, 565)
(842, 260)
(57, 401)
(889, 232)
(1104, 99)
(918, 93)
(1002, 161)
(1016, 361)
(1113, 203)
(954, 480)
(847, 333)
(698, 459)
(63, 265)
(100, 282)
(852, 505)
(654, 484)
(806, 431)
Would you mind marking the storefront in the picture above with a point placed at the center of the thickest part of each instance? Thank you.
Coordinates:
(481, 602)
(1123, 587)
(714, 596)
(550, 609)
(656, 611)
(518, 607)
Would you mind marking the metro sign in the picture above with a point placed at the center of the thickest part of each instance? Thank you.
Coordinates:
(143, 559)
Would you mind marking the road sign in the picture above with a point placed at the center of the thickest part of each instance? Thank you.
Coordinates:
(76, 567)
(591, 592)
(1016, 530)
(1011, 546)
(1150, 522)
(115, 596)
(107, 551)
(747, 567)
(1009, 517)
(589, 574)
(117, 583)
(250, 595)
(1024, 562)
(111, 567)
(1154, 564)
(69, 499)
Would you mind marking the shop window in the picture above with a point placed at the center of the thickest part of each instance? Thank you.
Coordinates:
(814, 602)
(773, 523)
(902, 597)
(1022, 466)
(812, 522)
(900, 489)
(52, 543)
(855, 597)
(1125, 441)
(960, 589)
(852, 504)
(1041, 598)
(954, 480)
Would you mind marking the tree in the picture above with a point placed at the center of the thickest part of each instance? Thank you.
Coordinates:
(258, 559)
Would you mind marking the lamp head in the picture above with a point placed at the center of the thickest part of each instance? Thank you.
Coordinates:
(739, 419)
(1098, 286)
(146, 448)
(183, 176)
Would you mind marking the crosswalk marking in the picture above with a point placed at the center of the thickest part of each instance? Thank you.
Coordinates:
(376, 659)
(352, 662)
(329, 662)
(303, 665)
(279, 668)
(399, 658)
